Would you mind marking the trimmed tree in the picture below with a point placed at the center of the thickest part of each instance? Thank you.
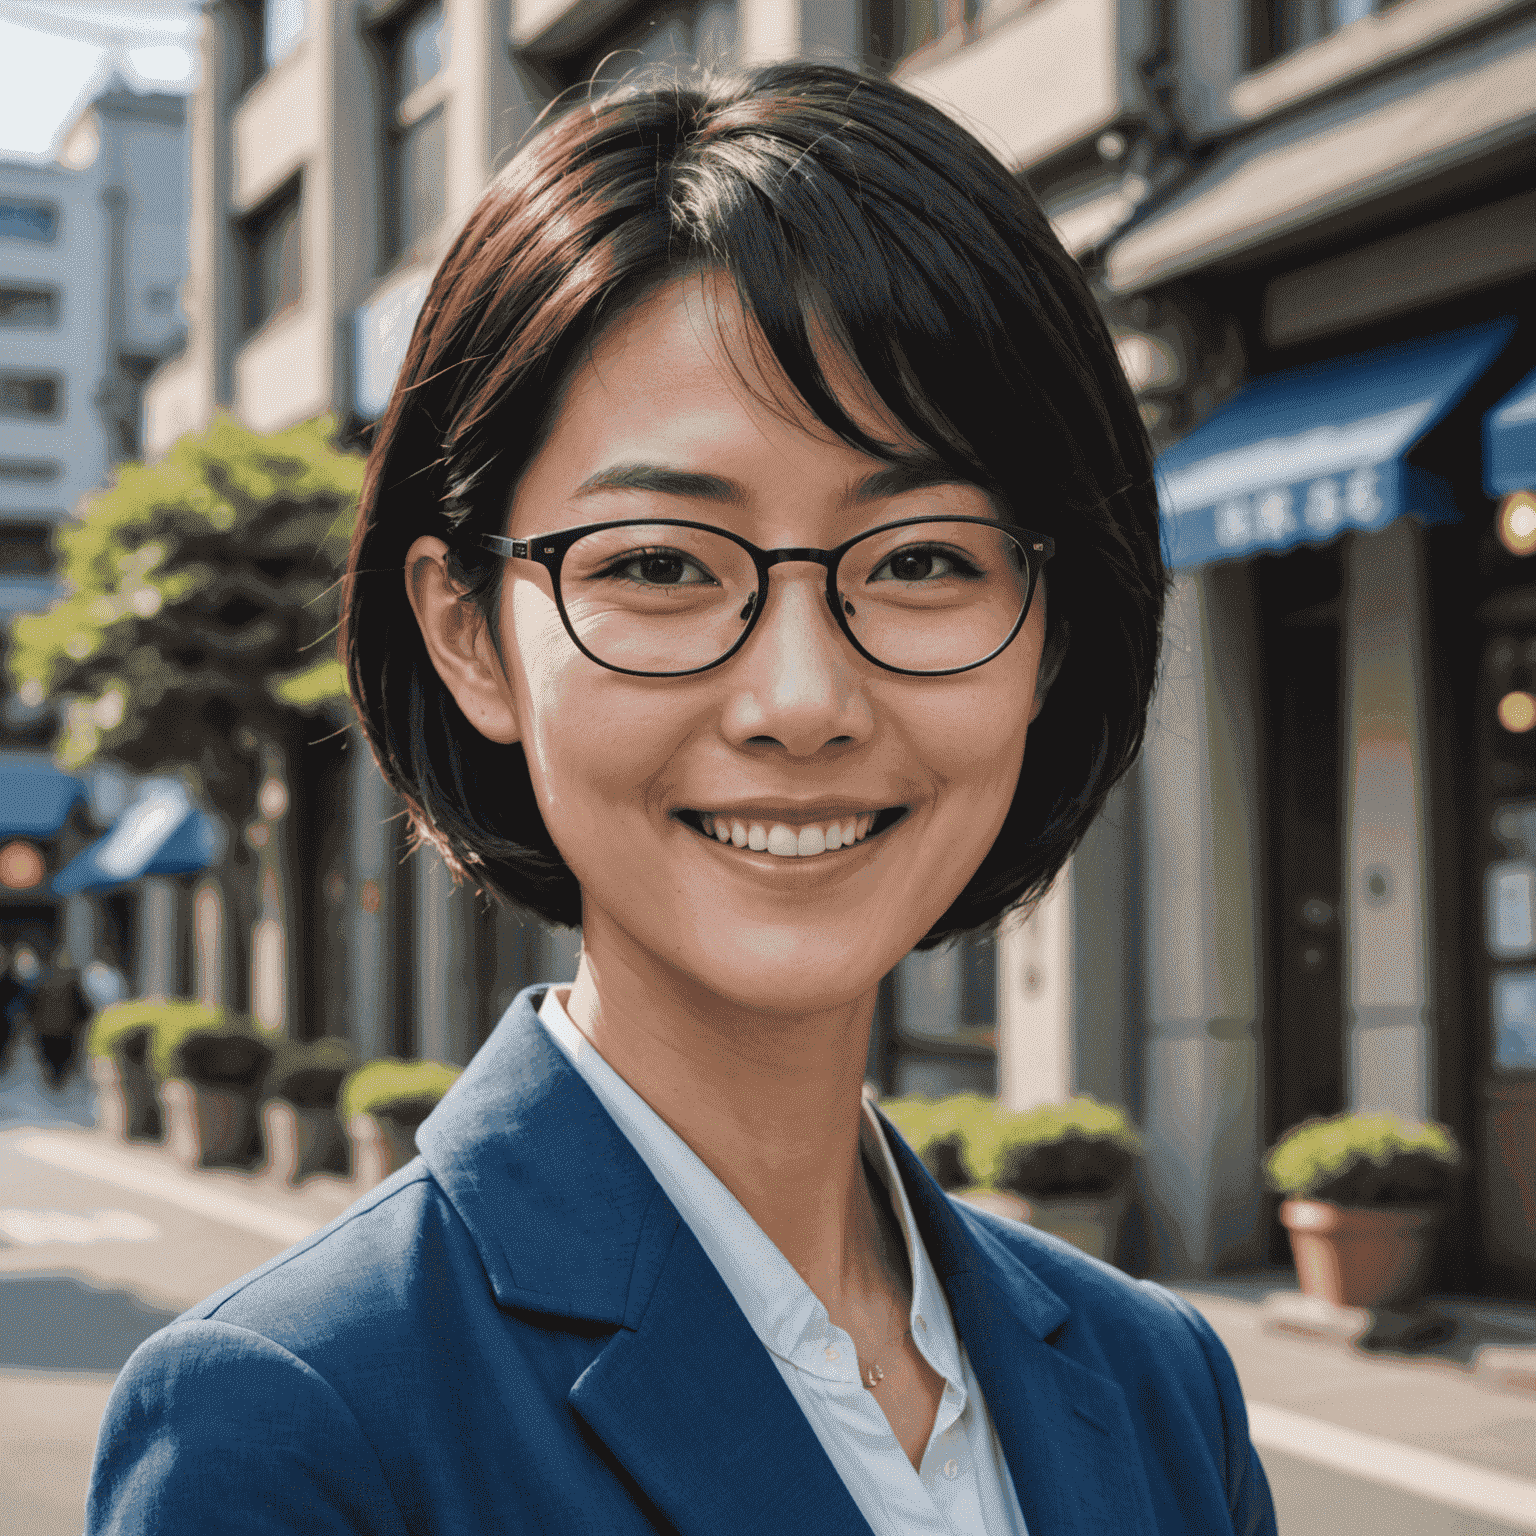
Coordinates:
(196, 629)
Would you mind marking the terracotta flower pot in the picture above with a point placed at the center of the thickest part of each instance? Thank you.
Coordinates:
(1359, 1256)
(1089, 1222)
(210, 1127)
(301, 1141)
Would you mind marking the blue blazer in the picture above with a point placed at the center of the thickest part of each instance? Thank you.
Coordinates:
(517, 1333)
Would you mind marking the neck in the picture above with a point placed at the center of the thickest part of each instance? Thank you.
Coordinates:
(770, 1102)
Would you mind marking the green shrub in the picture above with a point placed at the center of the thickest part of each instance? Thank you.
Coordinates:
(1365, 1159)
(403, 1091)
(123, 1029)
(208, 1045)
(309, 1073)
(1080, 1147)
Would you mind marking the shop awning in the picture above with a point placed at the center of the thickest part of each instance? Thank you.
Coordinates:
(1302, 456)
(162, 833)
(35, 796)
(1509, 441)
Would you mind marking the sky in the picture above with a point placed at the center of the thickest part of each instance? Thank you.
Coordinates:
(56, 54)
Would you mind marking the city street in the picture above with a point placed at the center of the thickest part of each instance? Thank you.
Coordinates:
(101, 1244)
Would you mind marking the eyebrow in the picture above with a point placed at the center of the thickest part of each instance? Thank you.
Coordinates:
(916, 473)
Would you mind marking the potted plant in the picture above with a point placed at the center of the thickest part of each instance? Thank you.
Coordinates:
(301, 1128)
(1062, 1167)
(1071, 1164)
(119, 1041)
(1362, 1194)
(382, 1103)
(210, 1063)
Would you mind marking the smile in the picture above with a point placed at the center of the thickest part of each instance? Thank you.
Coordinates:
(787, 841)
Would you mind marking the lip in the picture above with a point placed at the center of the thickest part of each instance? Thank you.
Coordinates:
(804, 813)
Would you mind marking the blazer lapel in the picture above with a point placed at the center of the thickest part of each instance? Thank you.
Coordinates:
(1065, 1430)
(693, 1406)
(569, 1222)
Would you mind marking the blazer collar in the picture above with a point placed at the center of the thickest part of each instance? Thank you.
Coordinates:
(569, 1222)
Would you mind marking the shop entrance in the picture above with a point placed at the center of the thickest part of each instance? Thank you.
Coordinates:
(1299, 601)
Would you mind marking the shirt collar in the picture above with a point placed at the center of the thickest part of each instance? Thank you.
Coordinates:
(780, 1307)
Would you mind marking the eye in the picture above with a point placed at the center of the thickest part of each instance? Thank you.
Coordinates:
(923, 563)
(659, 568)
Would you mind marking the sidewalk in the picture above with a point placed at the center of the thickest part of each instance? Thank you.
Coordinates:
(1430, 1423)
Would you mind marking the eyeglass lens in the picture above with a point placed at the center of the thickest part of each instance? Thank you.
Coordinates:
(927, 597)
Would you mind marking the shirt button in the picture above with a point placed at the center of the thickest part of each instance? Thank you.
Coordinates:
(951, 1469)
(832, 1354)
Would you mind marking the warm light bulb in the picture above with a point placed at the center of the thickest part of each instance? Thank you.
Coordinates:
(1517, 711)
(1517, 523)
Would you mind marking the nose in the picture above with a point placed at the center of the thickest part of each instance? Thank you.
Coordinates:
(797, 683)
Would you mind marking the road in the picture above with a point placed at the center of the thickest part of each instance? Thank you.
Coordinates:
(101, 1244)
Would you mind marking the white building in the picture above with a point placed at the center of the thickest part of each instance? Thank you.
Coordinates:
(93, 252)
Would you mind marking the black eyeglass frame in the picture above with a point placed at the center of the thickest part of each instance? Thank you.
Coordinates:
(550, 550)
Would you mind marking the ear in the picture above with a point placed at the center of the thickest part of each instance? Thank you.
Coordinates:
(459, 642)
(1051, 658)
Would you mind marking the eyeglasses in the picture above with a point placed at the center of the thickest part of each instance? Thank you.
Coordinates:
(659, 597)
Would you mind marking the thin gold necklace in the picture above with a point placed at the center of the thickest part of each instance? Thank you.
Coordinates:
(871, 1375)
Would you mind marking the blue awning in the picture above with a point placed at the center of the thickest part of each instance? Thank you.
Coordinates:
(1509, 441)
(162, 833)
(35, 796)
(1302, 456)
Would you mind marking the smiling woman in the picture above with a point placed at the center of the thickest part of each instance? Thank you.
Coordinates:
(759, 568)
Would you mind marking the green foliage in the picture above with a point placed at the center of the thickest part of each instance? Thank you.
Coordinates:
(1054, 1149)
(309, 1073)
(389, 1086)
(1364, 1159)
(113, 1026)
(195, 585)
(208, 1045)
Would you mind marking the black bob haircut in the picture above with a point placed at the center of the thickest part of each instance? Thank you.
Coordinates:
(842, 207)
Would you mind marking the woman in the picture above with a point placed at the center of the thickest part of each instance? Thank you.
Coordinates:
(734, 439)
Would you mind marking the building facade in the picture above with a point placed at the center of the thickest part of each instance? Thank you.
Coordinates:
(1291, 208)
(93, 253)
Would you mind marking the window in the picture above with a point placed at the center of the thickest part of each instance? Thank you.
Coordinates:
(898, 28)
(26, 549)
(1282, 26)
(282, 25)
(34, 471)
(31, 395)
(415, 129)
(272, 237)
(667, 34)
(24, 219)
(28, 309)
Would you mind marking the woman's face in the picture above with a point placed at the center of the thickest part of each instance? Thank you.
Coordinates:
(796, 730)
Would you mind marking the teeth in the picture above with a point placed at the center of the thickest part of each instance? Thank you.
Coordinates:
(785, 842)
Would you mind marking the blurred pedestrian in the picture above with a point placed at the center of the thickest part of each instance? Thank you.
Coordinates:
(10, 995)
(61, 1010)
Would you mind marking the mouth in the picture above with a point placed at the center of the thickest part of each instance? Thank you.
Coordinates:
(791, 840)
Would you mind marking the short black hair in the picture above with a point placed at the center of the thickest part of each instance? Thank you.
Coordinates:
(841, 206)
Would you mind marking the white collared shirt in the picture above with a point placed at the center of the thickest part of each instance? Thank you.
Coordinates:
(963, 1487)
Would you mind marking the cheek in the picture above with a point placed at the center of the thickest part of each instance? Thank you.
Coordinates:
(595, 741)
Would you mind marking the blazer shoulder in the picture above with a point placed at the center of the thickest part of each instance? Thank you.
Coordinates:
(362, 1275)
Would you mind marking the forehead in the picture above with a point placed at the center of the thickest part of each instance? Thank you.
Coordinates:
(684, 380)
